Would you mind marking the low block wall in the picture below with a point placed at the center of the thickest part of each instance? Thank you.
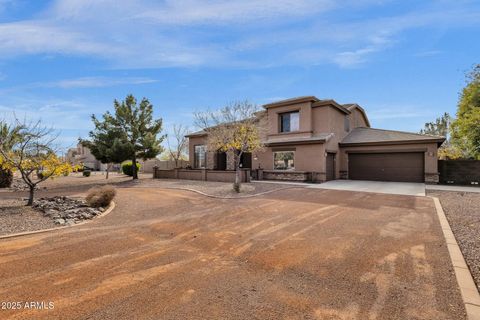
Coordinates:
(201, 174)
(466, 172)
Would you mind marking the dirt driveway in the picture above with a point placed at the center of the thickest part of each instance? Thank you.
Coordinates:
(291, 254)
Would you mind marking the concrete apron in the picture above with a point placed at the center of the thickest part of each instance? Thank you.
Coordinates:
(403, 188)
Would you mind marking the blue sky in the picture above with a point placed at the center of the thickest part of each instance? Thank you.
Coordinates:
(403, 61)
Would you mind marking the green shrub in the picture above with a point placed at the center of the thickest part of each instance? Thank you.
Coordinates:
(100, 196)
(6, 178)
(127, 168)
(86, 173)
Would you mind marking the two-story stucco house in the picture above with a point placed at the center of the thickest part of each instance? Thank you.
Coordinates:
(319, 140)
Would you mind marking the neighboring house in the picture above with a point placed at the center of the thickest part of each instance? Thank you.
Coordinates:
(82, 155)
(319, 140)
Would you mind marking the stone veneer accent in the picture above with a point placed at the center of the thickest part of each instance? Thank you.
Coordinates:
(432, 178)
(287, 175)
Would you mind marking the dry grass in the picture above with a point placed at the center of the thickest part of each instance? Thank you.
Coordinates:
(100, 196)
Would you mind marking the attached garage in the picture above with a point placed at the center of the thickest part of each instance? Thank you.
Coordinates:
(391, 166)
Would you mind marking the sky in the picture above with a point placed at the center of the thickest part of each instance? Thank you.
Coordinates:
(403, 61)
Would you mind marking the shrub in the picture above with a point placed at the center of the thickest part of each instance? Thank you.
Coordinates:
(100, 196)
(6, 178)
(86, 173)
(127, 168)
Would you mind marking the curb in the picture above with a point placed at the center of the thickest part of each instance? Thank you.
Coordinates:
(468, 289)
(26, 233)
(228, 197)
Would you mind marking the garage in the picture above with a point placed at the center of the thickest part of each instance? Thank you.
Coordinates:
(392, 166)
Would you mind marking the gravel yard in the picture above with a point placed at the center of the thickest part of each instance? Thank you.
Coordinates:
(16, 217)
(218, 189)
(463, 213)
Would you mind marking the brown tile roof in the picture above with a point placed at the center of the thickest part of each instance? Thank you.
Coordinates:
(318, 138)
(291, 101)
(364, 135)
(196, 134)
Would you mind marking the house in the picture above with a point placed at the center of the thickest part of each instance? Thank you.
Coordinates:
(309, 139)
(82, 156)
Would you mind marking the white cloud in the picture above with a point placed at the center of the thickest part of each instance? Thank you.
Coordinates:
(95, 82)
(248, 33)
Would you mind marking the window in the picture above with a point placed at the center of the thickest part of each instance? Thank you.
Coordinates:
(290, 121)
(199, 159)
(284, 160)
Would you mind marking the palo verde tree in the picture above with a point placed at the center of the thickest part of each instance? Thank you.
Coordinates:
(235, 129)
(136, 134)
(29, 147)
(466, 127)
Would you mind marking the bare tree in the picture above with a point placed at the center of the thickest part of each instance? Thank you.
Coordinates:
(177, 144)
(236, 128)
(30, 148)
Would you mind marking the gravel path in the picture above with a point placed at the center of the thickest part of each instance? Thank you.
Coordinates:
(16, 217)
(463, 213)
(218, 189)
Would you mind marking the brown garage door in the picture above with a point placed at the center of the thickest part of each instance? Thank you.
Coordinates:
(401, 166)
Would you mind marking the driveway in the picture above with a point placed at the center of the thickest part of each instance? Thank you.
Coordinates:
(403, 188)
(291, 254)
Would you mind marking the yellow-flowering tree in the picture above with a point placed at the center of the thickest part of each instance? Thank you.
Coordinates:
(32, 151)
(236, 128)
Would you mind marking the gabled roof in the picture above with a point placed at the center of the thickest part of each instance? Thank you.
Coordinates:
(370, 136)
(351, 106)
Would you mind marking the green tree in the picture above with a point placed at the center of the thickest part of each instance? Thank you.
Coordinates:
(466, 128)
(134, 131)
(8, 136)
(106, 143)
(441, 127)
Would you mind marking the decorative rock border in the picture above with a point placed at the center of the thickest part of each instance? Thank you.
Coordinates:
(104, 213)
(468, 289)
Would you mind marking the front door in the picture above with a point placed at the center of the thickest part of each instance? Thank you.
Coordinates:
(330, 166)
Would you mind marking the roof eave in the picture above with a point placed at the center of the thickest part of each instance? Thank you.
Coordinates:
(397, 142)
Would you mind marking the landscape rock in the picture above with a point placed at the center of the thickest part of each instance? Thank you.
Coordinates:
(66, 211)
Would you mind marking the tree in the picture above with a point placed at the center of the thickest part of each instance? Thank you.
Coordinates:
(177, 150)
(466, 127)
(30, 149)
(106, 144)
(8, 135)
(134, 130)
(441, 127)
(236, 128)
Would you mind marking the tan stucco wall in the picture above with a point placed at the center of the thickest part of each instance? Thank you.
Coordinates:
(309, 157)
(305, 124)
(429, 149)
(357, 119)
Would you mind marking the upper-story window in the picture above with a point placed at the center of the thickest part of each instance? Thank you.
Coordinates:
(290, 121)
